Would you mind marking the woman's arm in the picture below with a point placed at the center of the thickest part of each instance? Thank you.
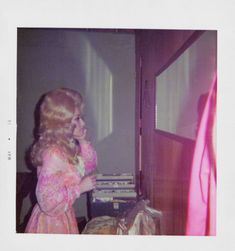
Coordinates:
(56, 191)
(88, 155)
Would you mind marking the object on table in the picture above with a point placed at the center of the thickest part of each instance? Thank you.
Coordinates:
(140, 220)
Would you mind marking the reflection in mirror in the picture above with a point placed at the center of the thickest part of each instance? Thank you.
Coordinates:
(182, 87)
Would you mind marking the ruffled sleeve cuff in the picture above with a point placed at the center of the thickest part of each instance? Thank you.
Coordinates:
(89, 156)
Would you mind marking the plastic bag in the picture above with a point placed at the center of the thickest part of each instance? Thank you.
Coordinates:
(141, 220)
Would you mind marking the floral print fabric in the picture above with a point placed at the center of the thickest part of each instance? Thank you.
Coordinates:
(57, 189)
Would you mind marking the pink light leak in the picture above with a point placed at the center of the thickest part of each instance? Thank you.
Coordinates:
(201, 218)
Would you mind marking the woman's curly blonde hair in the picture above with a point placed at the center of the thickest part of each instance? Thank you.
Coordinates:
(54, 129)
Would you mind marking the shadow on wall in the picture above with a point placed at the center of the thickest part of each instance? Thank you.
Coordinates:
(110, 82)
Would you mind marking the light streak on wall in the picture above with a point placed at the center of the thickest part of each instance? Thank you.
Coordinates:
(99, 90)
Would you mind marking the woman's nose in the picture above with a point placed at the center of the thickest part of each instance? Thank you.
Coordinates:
(82, 122)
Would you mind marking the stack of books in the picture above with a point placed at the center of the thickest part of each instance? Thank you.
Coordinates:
(114, 187)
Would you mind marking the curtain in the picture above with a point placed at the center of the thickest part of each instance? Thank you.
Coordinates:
(201, 215)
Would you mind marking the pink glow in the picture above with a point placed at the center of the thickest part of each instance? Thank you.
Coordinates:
(201, 218)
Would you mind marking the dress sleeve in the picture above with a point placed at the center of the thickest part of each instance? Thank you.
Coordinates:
(56, 189)
(89, 156)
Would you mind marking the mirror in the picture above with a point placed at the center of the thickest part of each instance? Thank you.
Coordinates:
(181, 89)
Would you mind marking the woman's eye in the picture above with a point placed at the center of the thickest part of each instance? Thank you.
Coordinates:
(80, 117)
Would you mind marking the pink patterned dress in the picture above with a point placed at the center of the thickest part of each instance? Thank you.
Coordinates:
(57, 189)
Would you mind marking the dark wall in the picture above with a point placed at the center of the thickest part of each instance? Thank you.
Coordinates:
(166, 159)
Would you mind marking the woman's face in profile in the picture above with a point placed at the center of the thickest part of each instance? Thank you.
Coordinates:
(79, 131)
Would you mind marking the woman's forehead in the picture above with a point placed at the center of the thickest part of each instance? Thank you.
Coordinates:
(79, 110)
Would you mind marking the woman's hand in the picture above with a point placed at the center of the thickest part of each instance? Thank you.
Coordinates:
(80, 133)
(87, 183)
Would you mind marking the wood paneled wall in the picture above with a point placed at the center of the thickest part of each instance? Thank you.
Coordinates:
(166, 159)
(170, 180)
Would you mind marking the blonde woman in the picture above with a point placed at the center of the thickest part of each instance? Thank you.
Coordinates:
(64, 159)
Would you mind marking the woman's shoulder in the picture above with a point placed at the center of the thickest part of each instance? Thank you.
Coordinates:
(54, 161)
(54, 154)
